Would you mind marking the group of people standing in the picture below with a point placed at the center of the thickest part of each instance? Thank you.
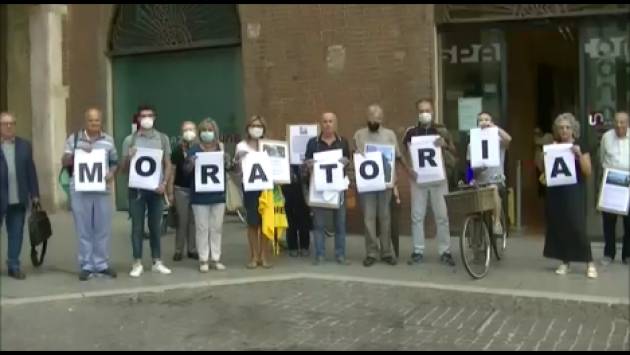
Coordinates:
(200, 214)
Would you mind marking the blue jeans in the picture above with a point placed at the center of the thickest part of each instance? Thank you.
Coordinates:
(141, 201)
(319, 221)
(15, 216)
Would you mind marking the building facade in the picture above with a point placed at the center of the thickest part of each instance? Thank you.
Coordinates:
(523, 63)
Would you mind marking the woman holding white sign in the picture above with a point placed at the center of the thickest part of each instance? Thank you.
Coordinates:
(259, 246)
(208, 194)
(565, 235)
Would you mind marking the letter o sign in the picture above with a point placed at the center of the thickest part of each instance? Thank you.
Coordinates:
(363, 169)
(141, 166)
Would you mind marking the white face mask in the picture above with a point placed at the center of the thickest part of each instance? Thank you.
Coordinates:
(189, 135)
(425, 117)
(255, 132)
(146, 123)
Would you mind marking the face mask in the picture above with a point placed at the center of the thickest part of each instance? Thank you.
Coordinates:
(189, 135)
(425, 117)
(373, 126)
(146, 123)
(255, 132)
(206, 136)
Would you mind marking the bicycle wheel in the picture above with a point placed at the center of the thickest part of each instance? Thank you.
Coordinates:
(499, 241)
(474, 245)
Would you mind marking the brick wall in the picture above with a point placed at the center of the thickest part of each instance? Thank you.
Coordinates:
(301, 60)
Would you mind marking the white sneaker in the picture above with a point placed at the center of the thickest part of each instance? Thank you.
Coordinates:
(218, 266)
(159, 267)
(136, 270)
(203, 267)
(591, 272)
(563, 269)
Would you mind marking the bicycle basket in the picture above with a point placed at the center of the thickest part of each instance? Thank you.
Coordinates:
(460, 204)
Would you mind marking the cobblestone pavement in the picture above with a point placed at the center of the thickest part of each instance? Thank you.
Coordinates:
(314, 314)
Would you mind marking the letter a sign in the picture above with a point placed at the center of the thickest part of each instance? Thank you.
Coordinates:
(369, 172)
(90, 170)
(257, 172)
(209, 172)
(145, 169)
(559, 165)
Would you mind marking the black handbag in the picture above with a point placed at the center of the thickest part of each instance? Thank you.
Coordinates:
(39, 232)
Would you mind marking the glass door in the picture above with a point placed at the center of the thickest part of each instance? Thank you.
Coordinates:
(605, 83)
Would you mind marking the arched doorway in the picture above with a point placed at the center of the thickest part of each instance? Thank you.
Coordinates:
(185, 60)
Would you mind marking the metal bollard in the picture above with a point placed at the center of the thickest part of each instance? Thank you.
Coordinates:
(519, 192)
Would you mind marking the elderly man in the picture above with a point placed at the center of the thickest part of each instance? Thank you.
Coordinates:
(18, 189)
(420, 195)
(329, 140)
(615, 154)
(92, 211)
(377, 204)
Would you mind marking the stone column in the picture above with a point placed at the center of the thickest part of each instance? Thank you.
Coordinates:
(48, 98)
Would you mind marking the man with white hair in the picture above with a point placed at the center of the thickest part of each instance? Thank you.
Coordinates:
(377, 203)
(615, 154)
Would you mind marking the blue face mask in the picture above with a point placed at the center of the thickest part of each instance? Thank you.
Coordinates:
(206, 136)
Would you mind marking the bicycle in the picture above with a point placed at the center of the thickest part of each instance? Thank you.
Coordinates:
(471, 207)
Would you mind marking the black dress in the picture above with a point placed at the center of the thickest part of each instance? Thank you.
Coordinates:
(565, 235)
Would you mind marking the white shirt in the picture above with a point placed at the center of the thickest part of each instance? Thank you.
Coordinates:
(614, 151)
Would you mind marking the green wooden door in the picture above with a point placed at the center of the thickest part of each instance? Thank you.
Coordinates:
(181, 85)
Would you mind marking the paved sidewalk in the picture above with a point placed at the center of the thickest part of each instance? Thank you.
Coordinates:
(523, 272)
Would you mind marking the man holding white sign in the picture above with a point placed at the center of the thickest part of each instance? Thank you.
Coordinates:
(615, 154)
(92, 155)
(329, 140)
(427, 158)
(374, 196)
(149, 151)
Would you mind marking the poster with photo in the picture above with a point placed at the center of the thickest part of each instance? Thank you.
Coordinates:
(298, 136)
(614, 195)
(389, 153)
(278, 152)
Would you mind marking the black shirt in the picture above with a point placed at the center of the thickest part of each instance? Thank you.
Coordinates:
(316, 145)
(418, 131)
(178, 159)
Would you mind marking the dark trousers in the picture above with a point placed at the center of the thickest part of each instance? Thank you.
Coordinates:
(15, 216)
(610, 224)
(298, 216)
(143, 202)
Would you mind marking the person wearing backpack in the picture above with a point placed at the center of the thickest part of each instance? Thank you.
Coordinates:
(146, 200)
(92, 211)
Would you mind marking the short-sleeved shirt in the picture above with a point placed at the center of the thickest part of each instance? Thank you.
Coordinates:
(152, 139)
(494, 175)
(615, 151)
(316, 145)
(103, 141)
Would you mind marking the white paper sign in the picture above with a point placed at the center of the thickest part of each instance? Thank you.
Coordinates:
(328, 155)
(328, 176)
(209, 172)
(427, 159)
(484, 147)
(323, 199)
(614, 196)
(145, 170)
(257, 172)
(467, 110)
(90, 170)
(389, 152)
(278, 152)
(559, 165)
(299, 135)
(369, 172)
